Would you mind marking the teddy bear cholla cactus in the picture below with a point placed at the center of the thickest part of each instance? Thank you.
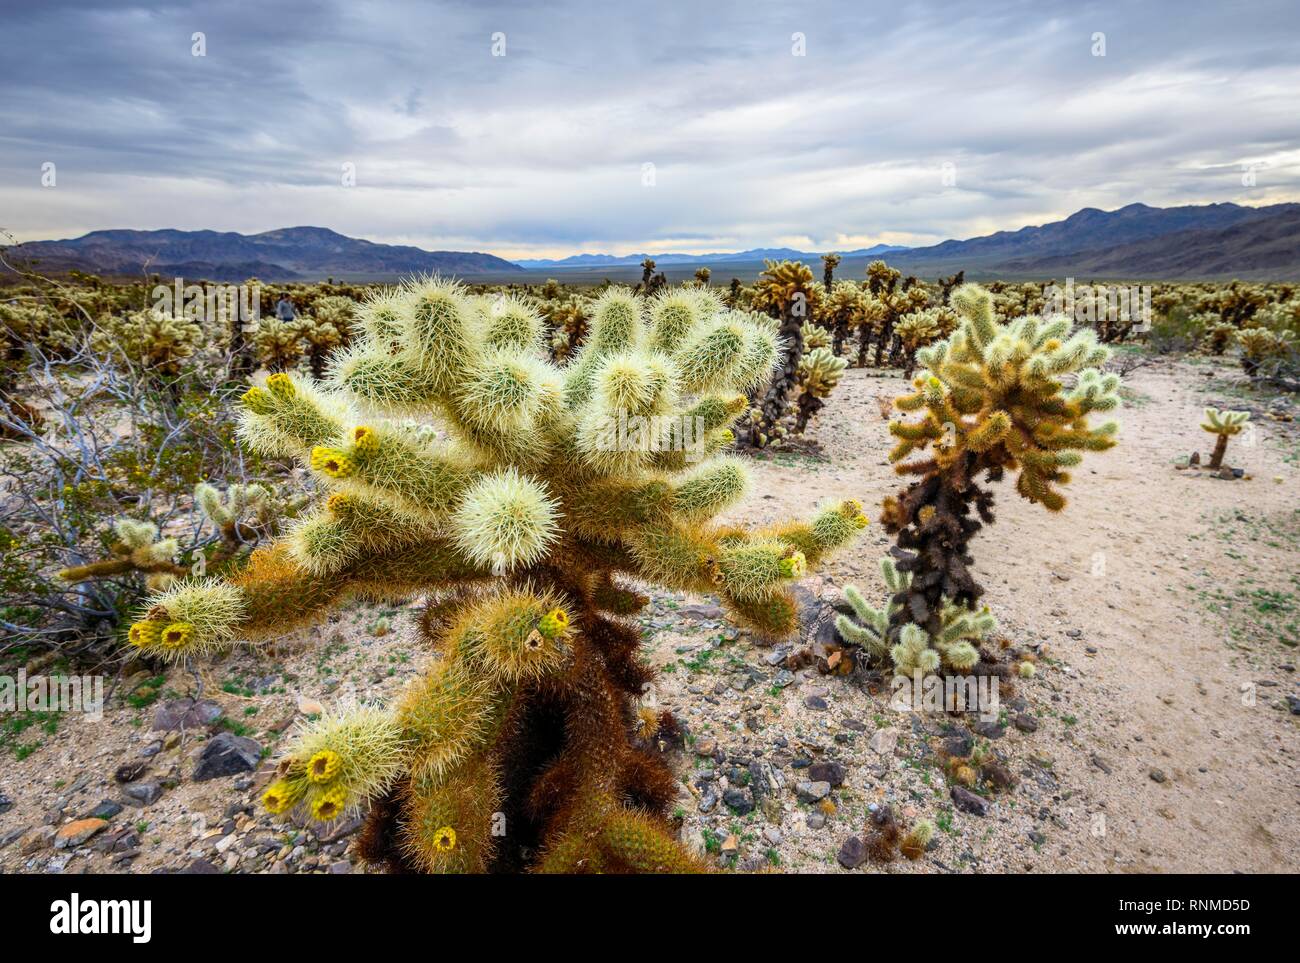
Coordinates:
(518, 532)
(153, 339)
(819, 374)
(1223, 424)
(992, 399)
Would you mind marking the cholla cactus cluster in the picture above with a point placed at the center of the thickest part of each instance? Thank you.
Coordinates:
(1263, 349)
(919, 328)
(279, 344)
(516, 749)
(955, 647)
(1223, 425)
(153, 339)
(992, 400)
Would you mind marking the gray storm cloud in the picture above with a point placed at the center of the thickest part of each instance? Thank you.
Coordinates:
(543, 151)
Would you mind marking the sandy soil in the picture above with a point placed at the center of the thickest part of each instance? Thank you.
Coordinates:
(1162, 605)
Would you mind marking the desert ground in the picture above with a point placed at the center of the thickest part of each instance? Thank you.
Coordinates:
(1159, 734)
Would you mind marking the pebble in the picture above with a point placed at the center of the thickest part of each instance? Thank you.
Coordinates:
(810, 792)
(831, 773)
(853, 853)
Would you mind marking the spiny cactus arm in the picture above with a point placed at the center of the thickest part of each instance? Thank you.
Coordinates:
(616, 327)
(1224, 422)
(389, 463)
(338, 763)
(290, 417)
(138, 549)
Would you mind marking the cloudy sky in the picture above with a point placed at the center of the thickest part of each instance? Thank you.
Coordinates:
(828, 125)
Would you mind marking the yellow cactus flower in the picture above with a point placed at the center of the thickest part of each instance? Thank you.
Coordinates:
(444, 840)
(279, 797)
(553, 623)
(364, 439)
(145, 634)
(339, 504)
(280, 385)
(256, 400)
(861, 521)
(177, 635)
(796, 566)
(331, 461)
(329, 804)
(324, 766)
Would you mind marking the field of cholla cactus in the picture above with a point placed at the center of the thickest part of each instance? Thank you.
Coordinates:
(688, 577)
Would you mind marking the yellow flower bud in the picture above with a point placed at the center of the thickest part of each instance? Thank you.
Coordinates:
(331, 461)
(553, 623)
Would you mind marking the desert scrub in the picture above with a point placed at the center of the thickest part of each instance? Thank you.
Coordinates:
(522, 746)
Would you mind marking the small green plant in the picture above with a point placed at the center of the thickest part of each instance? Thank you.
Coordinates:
(1223, 424)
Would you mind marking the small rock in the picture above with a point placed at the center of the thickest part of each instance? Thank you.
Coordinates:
(815, 820)
(309, 707)
(142, 793)
(106, 809)
(340, 868)
(1025, 722)
(989, 730)
(885, 741)
(815, 702)
(812, 791)
(967, 801)
(12, 836)
(6, 804)
(1101, 764)
(739, 801)
(76, 833)
(730, 844)
(227, 754)
(200, 867)
(1157, 775)
(831, 773)
(853, 853)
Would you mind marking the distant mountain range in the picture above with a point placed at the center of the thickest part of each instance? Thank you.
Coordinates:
(291, 253)
(1210, 242)
(1196, 241)
(754, 254)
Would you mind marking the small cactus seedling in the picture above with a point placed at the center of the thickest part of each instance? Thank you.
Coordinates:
(522, 746)
(1223, 424)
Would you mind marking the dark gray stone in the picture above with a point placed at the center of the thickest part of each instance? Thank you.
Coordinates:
(227, 754)
(853, 853)
(142, 793)
(968, 802)
(739, 801)
(828, 772)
